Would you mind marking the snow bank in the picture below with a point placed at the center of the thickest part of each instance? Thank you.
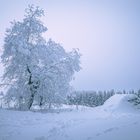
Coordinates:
(119, 102)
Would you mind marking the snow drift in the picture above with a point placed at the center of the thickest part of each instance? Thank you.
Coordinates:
(119, 103)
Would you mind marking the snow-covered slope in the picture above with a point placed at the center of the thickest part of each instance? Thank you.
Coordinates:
(117, 119)
(119, 103)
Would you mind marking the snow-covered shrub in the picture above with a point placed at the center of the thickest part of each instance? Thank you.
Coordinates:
(136, 99)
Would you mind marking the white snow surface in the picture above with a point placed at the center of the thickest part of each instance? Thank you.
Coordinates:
(117, 119)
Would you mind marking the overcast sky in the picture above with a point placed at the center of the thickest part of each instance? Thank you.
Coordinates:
(107, 32)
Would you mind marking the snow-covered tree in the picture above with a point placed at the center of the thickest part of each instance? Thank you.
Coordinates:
(57, 72)
(36, 69)
(136, 99)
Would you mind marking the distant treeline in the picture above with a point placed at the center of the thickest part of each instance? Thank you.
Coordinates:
(84, 98)
(94, 98)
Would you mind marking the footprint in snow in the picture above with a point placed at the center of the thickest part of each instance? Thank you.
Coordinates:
(110, 129)
(98, 134)
(89, 138)
(135, 123)
(107, 131)
(40, 138)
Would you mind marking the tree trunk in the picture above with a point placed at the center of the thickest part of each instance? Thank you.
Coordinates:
(41, 101)
(50, 105)
(30, 102)
(31, 98)
(34, 85)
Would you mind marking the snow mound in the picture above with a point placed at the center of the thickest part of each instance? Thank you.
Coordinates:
(119, 102)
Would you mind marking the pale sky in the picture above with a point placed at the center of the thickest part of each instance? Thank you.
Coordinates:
(107, 33)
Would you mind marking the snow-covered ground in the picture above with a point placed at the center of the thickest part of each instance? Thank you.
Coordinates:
(117, 119)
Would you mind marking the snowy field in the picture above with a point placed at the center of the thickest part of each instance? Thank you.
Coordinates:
(117, 119)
